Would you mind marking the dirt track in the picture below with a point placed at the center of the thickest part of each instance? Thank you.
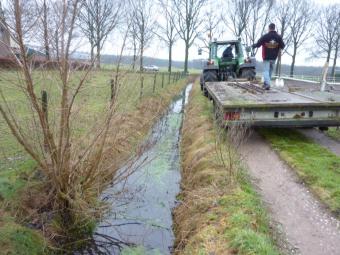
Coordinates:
(306, 225)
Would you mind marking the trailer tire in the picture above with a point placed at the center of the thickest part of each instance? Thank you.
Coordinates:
(249, 74)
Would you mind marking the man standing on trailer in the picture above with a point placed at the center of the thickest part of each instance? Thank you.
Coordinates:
(272, 44)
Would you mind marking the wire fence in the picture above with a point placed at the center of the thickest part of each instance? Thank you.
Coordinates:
(89, 106)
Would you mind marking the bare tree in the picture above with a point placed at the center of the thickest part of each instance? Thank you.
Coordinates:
(144, 24)
(167, 30)
(97, 19)
(300, 27)
(336, 43)
(326, 31)
(135, 46)
(44, 20)
(188, 23)
(283, 13)
(73, 168)
(212, 24)
(258, 21)
(236, 15)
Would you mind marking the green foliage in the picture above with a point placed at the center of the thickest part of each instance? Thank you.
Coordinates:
(139, 251)
(317, 166)
(248, 230)
(334, 133)
(19, 240)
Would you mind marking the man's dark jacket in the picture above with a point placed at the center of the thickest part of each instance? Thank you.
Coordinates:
(271, 44)
(228, 53)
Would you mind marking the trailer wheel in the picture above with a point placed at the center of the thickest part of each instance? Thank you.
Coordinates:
(323, 128)
(248, 74)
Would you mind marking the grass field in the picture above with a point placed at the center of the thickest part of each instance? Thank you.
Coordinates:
(16, 167)
(317, 167)
(219, 213)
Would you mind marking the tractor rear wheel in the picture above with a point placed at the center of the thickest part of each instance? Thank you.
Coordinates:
(209, 76)
(248, 74)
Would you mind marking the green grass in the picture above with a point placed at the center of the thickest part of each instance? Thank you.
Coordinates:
(317, 167)
(248, 230)
(334, 133)
(16, 167)
(19, 240)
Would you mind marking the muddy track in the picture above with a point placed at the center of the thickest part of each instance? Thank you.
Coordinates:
(308, 227)
(322, 139)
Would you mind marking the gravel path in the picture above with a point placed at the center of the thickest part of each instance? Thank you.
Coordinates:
(304, 222)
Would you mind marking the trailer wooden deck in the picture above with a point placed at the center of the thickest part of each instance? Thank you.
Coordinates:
(250, 95)
(248, 102)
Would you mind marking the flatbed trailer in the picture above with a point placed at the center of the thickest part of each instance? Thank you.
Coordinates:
(244, 102)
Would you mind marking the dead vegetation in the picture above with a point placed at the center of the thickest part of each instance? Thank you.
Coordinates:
(219, 212)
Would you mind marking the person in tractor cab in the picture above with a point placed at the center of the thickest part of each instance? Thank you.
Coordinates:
(228, 52)
(272, 44)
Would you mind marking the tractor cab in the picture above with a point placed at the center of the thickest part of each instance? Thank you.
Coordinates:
(228, 55)
(227, 61)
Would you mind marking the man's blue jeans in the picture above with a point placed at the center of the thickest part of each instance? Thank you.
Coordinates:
(268, 66)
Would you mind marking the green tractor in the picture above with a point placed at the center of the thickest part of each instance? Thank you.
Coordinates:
(227, 61)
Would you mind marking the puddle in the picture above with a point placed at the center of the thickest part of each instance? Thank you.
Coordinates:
(142, 224)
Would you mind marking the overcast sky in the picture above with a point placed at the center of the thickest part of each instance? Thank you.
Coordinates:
(158, 50)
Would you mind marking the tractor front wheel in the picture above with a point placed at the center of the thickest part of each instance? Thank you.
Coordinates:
(248, 74)
(209, 76)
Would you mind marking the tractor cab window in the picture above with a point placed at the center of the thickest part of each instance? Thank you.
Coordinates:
(226, 51)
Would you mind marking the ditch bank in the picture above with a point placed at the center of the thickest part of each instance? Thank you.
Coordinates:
(219, 212)
(20, 213)
(140, 218)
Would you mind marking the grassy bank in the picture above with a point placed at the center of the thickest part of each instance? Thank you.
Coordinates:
(20, 192)
(316, 166)
(218, 214)
(334, 133)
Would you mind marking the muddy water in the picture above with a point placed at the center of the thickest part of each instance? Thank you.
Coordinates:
(142, 224)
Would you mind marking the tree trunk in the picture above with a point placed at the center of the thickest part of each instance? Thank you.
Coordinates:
(335, 56)
(141, 57)
(134, 53)
(186, 57)
(92, 52)
(292, 67)
(98, 55)
(170, 57)
(47, 47)
(329, 54)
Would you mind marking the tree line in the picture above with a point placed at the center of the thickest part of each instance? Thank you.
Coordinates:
(304, 25)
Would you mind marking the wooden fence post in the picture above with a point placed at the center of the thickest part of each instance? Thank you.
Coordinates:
(141, 87)
(162, 80)
(44, 107)
(154, 83)
(112, 85)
